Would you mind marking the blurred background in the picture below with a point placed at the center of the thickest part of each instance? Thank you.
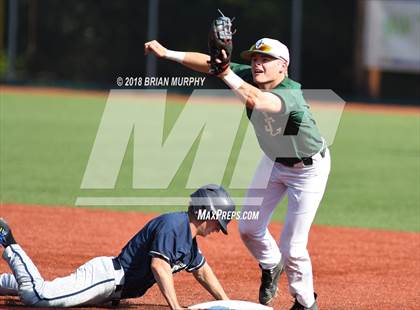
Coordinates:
(364, 50)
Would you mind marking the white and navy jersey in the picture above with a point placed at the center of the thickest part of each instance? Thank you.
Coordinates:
(168, 237)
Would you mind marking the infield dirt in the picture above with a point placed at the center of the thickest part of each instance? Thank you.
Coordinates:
(353, 268)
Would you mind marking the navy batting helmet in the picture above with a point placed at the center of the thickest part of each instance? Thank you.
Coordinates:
(214, 203)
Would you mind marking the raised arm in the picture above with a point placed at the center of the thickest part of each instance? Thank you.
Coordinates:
(208, 280)
(250, 95)
(163, 276)
(192, 60)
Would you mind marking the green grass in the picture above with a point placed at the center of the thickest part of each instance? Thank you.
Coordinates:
(45, 143)
(44, 146)
(374, 180)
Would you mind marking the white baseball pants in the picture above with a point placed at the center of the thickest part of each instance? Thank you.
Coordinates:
(92, 283)
(305, 187)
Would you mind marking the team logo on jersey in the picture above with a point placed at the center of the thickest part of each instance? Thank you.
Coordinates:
(178, 266)
(269, 121)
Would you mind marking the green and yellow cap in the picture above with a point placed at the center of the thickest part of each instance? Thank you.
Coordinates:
(269, 47)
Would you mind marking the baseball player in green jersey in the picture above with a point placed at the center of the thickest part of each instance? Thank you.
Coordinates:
(295, 159)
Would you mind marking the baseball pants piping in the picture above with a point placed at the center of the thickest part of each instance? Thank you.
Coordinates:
(304, 187)
(92, 283)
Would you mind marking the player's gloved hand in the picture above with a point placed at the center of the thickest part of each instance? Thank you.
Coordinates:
(220, 39)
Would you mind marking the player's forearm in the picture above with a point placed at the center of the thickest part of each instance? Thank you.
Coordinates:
(250, 95)
(192, 60)
(197, 61)
(209, 281)
(165, 281)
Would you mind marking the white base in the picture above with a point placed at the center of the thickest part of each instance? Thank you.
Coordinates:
(230, 305)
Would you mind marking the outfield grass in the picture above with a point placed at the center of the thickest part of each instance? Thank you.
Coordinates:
(45, 143)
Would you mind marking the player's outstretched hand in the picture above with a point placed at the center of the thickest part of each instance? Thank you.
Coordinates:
(154, 48)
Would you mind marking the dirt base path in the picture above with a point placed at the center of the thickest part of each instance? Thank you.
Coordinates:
(57, 91)
(353, 268)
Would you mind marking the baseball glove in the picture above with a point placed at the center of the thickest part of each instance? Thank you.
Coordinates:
(220, 38)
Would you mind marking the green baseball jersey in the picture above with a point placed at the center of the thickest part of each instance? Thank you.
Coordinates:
(292, 133)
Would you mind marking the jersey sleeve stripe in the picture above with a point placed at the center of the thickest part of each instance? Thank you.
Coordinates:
(154, 254)
(198, 266)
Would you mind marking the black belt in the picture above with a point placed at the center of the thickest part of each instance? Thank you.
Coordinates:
(117, 266)
(116, 263)
(307, 161)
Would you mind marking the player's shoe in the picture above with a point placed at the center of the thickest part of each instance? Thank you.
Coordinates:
(6, 236)
(269, 282)
(298, 306)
